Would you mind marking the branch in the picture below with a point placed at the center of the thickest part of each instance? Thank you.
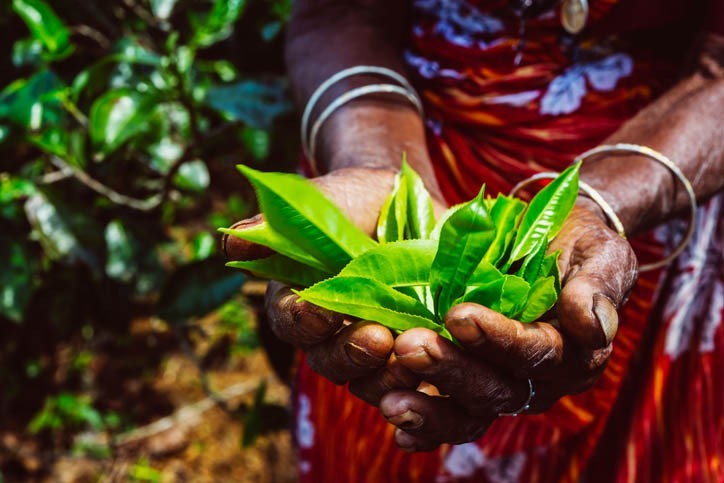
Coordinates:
(93, 34)
(147, 204)
(187, 415)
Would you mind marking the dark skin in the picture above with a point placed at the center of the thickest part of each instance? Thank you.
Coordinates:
(360, 145)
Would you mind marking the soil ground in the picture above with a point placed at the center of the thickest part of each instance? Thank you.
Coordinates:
(177, 433)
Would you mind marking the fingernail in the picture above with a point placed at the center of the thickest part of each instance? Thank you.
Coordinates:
(238, 249)
(467, 331)
(407, 420)
(419, 360)
(607, 316)
(315, 321)
(361, 356)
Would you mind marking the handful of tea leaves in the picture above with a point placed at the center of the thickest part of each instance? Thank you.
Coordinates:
(491, 251)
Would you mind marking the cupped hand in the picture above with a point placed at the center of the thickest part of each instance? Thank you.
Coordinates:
(337, 349)
(489, 373)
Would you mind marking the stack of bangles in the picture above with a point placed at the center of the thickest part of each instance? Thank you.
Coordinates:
(404, 89)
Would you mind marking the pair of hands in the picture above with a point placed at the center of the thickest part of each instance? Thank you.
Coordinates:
(433, 391)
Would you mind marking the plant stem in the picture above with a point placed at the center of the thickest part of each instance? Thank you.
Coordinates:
(147, 204)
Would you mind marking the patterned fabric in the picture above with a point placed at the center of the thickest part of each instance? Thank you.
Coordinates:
(497, 112)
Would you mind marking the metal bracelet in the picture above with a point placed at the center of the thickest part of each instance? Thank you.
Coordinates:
(347, 97)
(343, 74)
(606, 207)
(661, 159)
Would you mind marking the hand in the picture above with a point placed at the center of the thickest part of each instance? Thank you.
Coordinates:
(489, 374)
(336, 349)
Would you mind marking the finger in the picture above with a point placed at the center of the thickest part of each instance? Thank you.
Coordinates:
(389, 378)
(357, 350)
(600, 279)
(424, 422)
(473, 384)
(237, 249)
(299, 323)
(523, 350)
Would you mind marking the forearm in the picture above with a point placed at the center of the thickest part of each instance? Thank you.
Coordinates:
(687, 125)
(326, 37)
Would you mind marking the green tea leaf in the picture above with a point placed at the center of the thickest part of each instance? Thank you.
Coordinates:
(193, 176)
(252, 102)
(484, 273)
(542, 297)
(532, 262)
(17, 278)
(126, 53)
(264, 234)
(546, 213)
(162, 8)
(398, 264)
(507, 294)
(27, 52)
(60, 229)
(30, 103)
(505, 212)
(488, 294)
(51, 140)
(283, 269)
(371, 300)
(45, 26)
(122, 252)
(435, 234)
(464, 239)
(393, 214)
(217, 24)
(516, 292)
(549, 268)
(420, 214)
(256, 141)
(298, 211)
(117, 116)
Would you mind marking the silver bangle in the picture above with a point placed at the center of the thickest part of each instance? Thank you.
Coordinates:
(661, 159)
(347, 97)
(608, 210)
(343, 74)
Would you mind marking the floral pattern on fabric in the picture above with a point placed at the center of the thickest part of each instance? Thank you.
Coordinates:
(565, 93)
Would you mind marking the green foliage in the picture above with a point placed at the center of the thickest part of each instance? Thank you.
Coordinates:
(69, 411)
(45, 27)
(546, 213)
(114, 132)
(466, 257)
(371, 300)
(464, 239)
(235, 314)
(253, 420)
(303, 215)
(142, 471)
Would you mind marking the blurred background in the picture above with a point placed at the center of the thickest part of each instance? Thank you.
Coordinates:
(128, 352)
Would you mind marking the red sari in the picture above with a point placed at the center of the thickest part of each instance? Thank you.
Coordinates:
(657, 412)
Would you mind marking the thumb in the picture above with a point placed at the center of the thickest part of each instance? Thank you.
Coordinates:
(597, 285)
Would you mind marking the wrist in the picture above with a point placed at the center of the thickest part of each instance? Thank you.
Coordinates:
(376, 133)
(588, 204)
(637, 189)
